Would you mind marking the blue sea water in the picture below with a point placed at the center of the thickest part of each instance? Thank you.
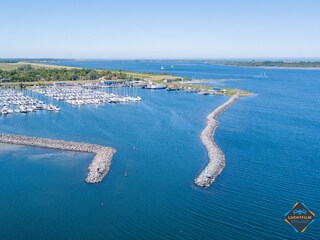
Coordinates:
(271, 141)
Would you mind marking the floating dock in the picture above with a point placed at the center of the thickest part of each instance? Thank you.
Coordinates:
(12, 101)
(82, 95)
(98, 168)
(217, 160)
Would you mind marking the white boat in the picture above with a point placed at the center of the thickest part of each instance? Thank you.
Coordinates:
(39, 106)
(56, 108)
(155, 86)
(4, 111)
(203, 92)
(263, 75)
(162, 68)
(50, 108)
(23, 109)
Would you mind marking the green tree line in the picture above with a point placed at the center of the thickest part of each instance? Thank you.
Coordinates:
(26, 73)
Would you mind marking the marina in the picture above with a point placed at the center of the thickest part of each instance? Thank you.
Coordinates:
(159, 147)
(15, 102)
(82, 95)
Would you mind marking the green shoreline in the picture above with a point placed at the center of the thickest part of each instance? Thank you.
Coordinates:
(120, 75)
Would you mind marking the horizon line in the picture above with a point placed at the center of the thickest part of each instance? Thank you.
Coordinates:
(164, 59)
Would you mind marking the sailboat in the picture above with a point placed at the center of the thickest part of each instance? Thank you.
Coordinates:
(162, 68)
(263, 75)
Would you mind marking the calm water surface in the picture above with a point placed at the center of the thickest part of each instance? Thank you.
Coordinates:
(271, 142)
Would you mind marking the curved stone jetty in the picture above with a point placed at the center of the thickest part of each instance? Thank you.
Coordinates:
(99, 166)
(216, 156)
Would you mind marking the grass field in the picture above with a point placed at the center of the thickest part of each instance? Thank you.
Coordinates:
(10, 66)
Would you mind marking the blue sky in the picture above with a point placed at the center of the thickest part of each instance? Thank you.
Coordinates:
(141, 29)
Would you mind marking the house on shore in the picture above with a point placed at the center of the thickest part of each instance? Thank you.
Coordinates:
(104, 78)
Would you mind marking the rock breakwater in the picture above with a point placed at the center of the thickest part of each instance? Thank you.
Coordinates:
(97, 169)
(216, 156)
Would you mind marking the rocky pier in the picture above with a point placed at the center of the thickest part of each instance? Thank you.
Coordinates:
(97, 169)
(217, 160)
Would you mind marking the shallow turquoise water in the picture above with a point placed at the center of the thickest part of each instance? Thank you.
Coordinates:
(271, 142)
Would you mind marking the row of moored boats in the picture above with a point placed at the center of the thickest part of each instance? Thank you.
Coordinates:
(78, 95)
(12, 101)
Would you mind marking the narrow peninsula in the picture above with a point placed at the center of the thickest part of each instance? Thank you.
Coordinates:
(217, 160)
(98, 168)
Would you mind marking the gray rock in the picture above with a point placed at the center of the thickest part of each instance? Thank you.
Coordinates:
(99, 166)
(217, 160)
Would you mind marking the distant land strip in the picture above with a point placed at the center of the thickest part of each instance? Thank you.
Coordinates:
(98, 168)
(271, 64)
